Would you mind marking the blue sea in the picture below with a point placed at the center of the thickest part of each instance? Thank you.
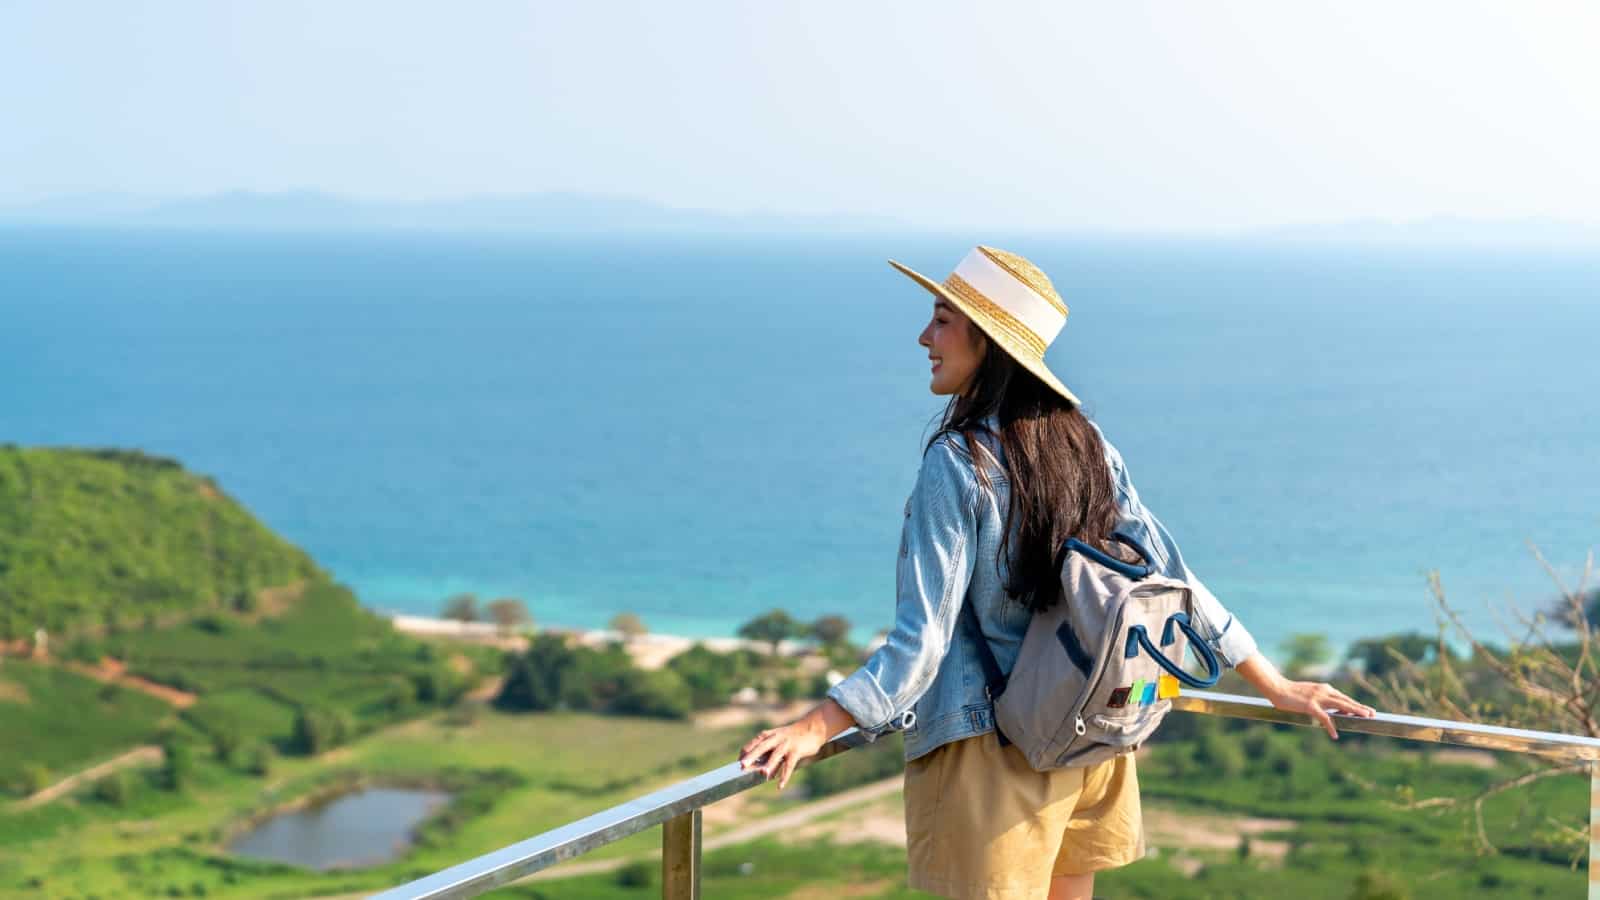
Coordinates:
(700, 429)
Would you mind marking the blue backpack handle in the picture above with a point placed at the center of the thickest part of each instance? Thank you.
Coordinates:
(1138, 638)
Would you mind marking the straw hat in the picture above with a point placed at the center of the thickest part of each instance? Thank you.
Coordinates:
(1011, 300)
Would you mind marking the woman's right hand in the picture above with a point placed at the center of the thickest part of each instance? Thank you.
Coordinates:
(1316, 698)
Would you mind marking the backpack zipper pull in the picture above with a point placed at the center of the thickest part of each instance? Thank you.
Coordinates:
(1078, 725)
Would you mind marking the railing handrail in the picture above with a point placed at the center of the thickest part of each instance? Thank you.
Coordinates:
(541, 851)
(1548, 744)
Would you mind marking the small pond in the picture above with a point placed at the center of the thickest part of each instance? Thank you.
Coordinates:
(362, 828)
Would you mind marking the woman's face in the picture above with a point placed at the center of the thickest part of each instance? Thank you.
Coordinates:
(955, 348)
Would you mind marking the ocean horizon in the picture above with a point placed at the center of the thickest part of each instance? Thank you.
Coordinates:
(699, 429)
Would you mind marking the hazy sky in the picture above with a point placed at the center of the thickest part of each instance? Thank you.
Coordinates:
(1118, 114)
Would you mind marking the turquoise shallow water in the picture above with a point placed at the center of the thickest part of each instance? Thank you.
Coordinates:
(700, 429)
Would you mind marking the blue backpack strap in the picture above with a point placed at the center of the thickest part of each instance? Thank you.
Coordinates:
(1137, 573)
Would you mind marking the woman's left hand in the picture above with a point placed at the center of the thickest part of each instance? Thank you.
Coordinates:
(779, 750)
(1316, 698)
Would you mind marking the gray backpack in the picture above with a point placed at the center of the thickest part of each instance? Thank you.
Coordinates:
(1096, 673)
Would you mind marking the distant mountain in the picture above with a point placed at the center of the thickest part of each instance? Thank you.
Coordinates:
(545, 213)
(581, 213)
(1439, 230)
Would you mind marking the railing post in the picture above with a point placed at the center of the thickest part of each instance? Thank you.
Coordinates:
(680, 857)
(1594, 830)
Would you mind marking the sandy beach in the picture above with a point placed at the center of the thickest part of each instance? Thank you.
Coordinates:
(649, 650)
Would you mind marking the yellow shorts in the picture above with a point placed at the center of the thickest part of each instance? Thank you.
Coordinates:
(982, 824)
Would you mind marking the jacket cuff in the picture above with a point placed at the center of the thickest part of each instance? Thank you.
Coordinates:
(862, 697)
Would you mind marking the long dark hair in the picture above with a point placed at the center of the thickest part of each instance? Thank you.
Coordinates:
(1056, 464)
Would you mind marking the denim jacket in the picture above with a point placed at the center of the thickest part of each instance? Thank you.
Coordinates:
(927, 678)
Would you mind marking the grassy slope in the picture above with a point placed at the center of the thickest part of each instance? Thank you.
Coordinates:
(63, 721)
(253, 677)
(568, 765)
(90, 538)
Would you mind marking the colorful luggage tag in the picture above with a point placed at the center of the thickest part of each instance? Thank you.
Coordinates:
(1136, 693)
(1166, 687)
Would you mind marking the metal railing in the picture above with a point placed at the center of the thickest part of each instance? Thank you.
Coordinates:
(677, 808)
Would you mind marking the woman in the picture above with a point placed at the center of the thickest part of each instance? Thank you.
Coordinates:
(1014, 470)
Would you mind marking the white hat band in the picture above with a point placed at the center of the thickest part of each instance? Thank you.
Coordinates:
(1011, 294)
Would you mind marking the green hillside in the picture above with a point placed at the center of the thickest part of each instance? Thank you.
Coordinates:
(93, 538)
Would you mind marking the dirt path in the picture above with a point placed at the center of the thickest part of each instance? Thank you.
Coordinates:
(137, 756)
(112, 671)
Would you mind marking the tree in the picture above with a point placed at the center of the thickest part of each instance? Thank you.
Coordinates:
(830, 630)
(509, 613)
(628, 625)
(1564, 613)
(461, 607)
(1304, 652)
(1381, 656)
(773, 627)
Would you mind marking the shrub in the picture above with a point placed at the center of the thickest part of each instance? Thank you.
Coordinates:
(84, 651)
(177, 765)
(225, 741)
(637, 874)
(1219, 755)
(533, 678)
(1378, 886)
(819, 686)
(789, 690)
(552, 675)
(660, 694)
(317, 730)
(711, 677)
(114, 789)
(254, 759)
